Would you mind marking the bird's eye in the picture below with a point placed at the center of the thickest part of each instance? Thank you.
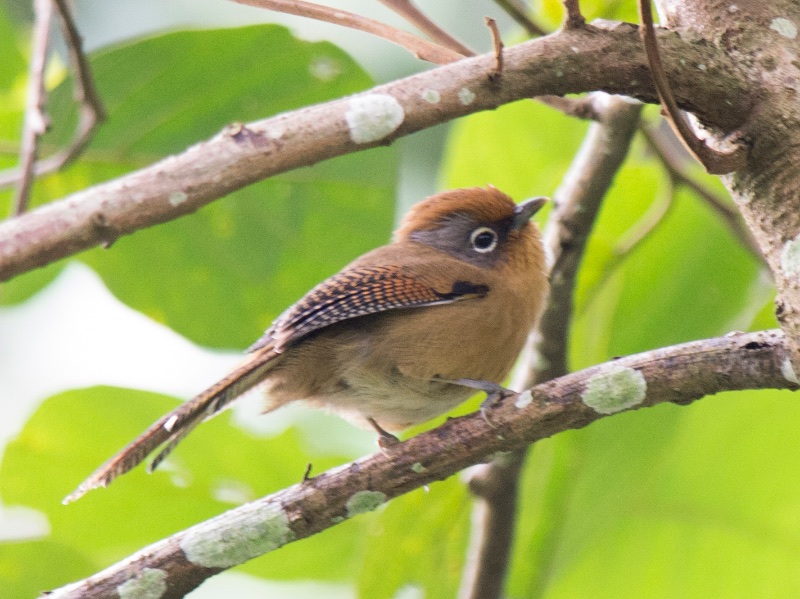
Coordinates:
(483, 240)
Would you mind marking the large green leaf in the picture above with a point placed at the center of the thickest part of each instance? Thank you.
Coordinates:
(669, 502)
(28, 568)
(221, 275)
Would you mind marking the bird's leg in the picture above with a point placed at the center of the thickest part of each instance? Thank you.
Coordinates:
(385, 438)
(495, 393)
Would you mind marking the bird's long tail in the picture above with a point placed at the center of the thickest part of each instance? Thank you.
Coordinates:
(173, 427)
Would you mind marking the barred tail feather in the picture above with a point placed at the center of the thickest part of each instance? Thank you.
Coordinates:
(173, 427)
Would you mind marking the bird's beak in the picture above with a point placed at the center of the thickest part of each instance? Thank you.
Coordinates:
(524, 211)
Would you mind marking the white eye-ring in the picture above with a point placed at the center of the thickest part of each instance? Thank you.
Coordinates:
(483, 239)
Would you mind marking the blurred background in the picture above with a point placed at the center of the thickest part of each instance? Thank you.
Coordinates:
(691, 502)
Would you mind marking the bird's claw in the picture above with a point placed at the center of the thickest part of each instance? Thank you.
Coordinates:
(386, 440)
(494, 399)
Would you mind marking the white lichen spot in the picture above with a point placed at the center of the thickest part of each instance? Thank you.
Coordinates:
(258, 530)
(787, 370)
(733, 8)
(701, 66)
(559, 73)
(324, 68)
(790, 257)
(431, 96)
(615, 390)
(418, 468)
(364, 501)
(170, 423)
(784, 27)
(466, 96)
(150, 583)
(176, 198)
(574, 49)
(373, 116)
(524, 399)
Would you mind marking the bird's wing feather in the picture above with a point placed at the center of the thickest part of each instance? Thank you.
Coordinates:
(359, 292)
(352, 293)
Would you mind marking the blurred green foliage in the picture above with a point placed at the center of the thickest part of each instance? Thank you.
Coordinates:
(694, 501)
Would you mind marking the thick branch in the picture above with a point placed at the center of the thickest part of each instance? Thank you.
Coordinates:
(679, 374)
(571, 61)
(577, 202)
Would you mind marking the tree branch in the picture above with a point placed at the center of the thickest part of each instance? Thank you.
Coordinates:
(716, 163)
(520, 15)
(567, 62)
(91, 114)
(679, 374)
(577, 202)
(679, 174)
(422, 49)
(35, 118)
(573, 17)
(409, 11)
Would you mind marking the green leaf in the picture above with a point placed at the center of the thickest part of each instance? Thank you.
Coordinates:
(688, 279)
(522, 148)
(411, 529)
(669, 502)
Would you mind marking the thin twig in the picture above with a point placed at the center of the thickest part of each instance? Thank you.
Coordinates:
(35, 118)
(409, 11)
(581, 108)
(517, 12)
(644, 227)
(91, 114)
(573, 18)
(716, 163)
(679, 374)
(497, 42)
(680, 175)
(422, 49)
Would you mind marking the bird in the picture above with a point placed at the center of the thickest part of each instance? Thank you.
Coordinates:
(402, 334)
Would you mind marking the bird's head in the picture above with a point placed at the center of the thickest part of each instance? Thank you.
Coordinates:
(480, 225)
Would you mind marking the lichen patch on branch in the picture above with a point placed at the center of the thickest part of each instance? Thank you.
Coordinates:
(615, 390)
(371, 117)
(364, 501)
(151, 583)
(258, 531)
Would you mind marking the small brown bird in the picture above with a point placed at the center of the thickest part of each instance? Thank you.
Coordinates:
(401, 335)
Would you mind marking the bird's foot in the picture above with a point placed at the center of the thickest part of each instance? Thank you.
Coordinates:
(495, 394)
(386, 440)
